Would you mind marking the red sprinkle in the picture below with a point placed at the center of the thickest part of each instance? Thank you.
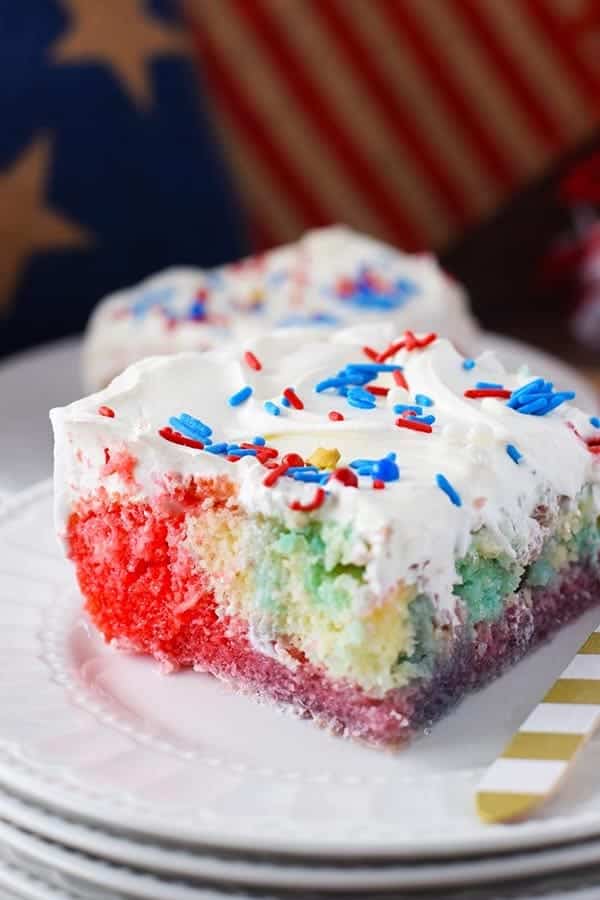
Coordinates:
(274, 475)
(176, 438)
(413, 426)
(106, 411)
(252, 361)
(293, 459)
(378, 484)
(370, 353)
(267, 452)
(594, 448)
(315, 503)
(106, 456)
(477, 393)
(400, 379)
(232, 458)
(346, 476)
(378, 391)
(390, 351)
(291, 395)
(336, 416)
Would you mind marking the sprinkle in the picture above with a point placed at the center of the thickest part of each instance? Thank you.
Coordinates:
(443, 483)
(292, 397)
(414, 343)
(534, 407)
(370, 353)
(423, 400)
(393, 348)
(274, 475)
(241, 396)
(514, 454)
(251, 360)
(232, 457)
(265, 452)
(374, 368)
(400, 379)
(307, 475)
(377, 391)
(315, 503)
(478, 394)
(323, 458)
(386, 470)
(488, 385)
(361, 463)
(259, 440)
(293, 459)
(216, 448)
(271, 408)
(293, 470)
(285, 402)
(468, 364)
(378, 484)
(329, 383)
(336, 416)
(408, 407)
(345, 476)
(595, 421)
(176, 438)
(413, 426)
(360, 399)
(106, 411)
(191, 426)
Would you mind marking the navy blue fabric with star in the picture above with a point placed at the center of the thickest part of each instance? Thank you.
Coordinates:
(108, 171)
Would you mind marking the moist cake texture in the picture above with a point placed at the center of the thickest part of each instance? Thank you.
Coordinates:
(362, 532)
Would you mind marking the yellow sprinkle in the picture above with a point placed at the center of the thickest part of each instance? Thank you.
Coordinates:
(324, 459)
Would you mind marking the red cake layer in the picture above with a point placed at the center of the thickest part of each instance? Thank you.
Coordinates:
(143, 589)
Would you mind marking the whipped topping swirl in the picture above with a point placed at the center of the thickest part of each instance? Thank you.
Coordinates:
(331, 278)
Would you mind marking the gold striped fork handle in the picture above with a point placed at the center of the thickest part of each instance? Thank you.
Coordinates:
(536, 760)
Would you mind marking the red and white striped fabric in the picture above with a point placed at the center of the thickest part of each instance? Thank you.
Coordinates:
(408, 119)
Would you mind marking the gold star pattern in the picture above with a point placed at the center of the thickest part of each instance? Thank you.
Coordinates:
(26, 224)
(119, 34)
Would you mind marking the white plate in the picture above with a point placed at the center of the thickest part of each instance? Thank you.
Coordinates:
(104, 738)
(265, 873)
(32, 382)
(76, 876)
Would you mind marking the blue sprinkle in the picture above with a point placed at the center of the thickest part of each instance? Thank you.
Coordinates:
(386, 470)
(531, 387)
(328, 383)
(359, 463)
(446, 487)
(284, 401)
(361, 399)
(535, 408)
(423, 400)
(305, 475)
(241, 396)
(468, 364)
(271, 408)
(365, 470)
(391, 456)
(488, 386)
(595, 421)
(373, 367)
(239, 451)
(216, 448)
(324, 478)
(259, 441)
(406, 407)
(514, 454)
(190, 426)
(293, 470)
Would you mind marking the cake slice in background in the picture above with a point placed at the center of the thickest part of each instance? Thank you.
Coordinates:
(331, 278)
(362, 537)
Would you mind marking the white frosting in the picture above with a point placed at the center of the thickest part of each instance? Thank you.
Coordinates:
(297, 283)
(410, 530)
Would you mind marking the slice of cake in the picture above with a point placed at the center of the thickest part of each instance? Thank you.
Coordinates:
(331, 278)
(364, 536)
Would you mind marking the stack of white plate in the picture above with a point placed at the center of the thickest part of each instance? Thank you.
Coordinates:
(119, 781)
